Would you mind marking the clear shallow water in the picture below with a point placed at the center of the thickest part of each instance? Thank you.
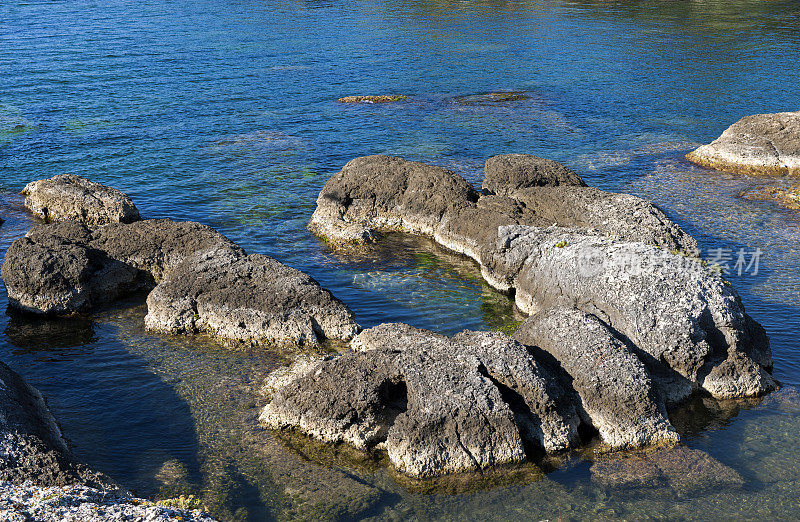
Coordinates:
(225, 113)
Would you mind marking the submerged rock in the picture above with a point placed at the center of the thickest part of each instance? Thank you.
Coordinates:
(685, 470)
(616, 392)
(383, 98)
(436, 404)
(491, 97)
(200, 281)
(757, 144)
(785, 196)
(66, 196)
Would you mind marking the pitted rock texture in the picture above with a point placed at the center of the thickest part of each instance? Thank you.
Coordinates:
(201, 281)
(683, 319)
(70, 197)
(616, 392)
(31, 446)
(437, 404)
(376, 193)
(507, 173)
(758, 144)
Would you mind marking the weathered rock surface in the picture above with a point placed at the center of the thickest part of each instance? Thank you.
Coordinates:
(67, 196)
(436, 404)
(757, 144)
(77, 503)
(375, 193)
(615, 389)
(202, 281)
(685, 470)
(685, 322)
(784, 195)
(507, 173)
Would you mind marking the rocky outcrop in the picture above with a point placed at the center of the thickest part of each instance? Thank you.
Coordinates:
(758, 144)
(69, 197)
(507, 173)
(616, 393)
(376, 193)
(784, 195)
(201, 281)
(611, 255)
(436, 404)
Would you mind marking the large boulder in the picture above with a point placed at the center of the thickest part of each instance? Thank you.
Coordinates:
(507, 173)
(201, 281)
(436, 404)
(684, 320)
(375, 193)
(616, 392)
(67, 196)
(757, 144)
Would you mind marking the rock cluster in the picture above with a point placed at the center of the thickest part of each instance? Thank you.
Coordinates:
(70, 197)
(622, 326)
(436, 404)
(757, 144)
(200, 281)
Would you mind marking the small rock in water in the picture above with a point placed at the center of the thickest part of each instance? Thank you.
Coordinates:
(383, 98)
(67, 196)
(761, 144)
(785, 196)
(491, 97)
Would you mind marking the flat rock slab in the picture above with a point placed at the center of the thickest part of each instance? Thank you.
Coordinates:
(687, 471)
(761, 144)
(69, 197)
(616, 392)
(200, 281)
(437, 405)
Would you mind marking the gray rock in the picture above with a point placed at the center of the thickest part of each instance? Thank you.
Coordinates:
(247, 299)
(201, 281)
(615, 388)
(757, 144)
(69, 197)
(437, 405)
(680, 316)
(507, 173)
(376, 193)
(31, 446)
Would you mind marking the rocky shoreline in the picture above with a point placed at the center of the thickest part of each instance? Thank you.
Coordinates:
(624, 323)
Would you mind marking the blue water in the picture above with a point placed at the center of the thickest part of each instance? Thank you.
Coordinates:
(225, 113)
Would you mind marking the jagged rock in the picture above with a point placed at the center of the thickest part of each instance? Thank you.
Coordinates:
(202, 281)
(681, 317)
(685, 470)
(375, 193)
(31, 446)
(436, 404)
(757, 144)
(615, 388)
(507, 173)
(67, 196)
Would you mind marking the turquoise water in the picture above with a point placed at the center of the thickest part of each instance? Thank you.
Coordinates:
(225, 113)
